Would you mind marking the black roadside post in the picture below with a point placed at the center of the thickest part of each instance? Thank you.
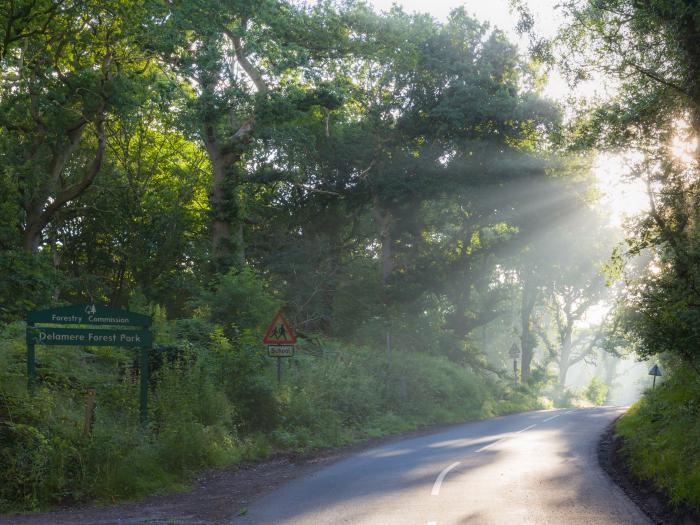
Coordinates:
(655, 371)
(143, 393)
(515, 353)
(31, 358)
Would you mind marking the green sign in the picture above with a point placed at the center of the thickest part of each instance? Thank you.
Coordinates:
(88, 314)
(90, 337)
(98, 333)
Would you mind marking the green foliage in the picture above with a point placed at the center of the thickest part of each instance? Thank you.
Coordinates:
(521, 399)
(596, 392)
(204, 412)
(27, 283)
(662, 437)
(238, 301)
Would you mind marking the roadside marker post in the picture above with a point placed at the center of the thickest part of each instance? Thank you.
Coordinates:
(97, 326)
(515, 353)
(656, 372)
(280, 340)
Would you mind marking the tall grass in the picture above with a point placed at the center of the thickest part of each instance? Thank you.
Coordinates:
(662, 437)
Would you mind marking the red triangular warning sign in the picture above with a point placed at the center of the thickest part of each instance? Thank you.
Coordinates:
(279, 332)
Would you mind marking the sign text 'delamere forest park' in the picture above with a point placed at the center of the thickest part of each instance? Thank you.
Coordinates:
(91, 337)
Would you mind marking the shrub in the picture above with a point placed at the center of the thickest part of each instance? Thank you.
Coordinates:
(596, 392)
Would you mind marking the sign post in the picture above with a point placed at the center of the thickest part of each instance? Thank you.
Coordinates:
(514, 352)
(656, 372)
(98, 326)
(31, 358)
(280, 340)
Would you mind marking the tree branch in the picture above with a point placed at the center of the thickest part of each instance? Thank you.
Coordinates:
(246, 64)
(658, 78)
(75, 190)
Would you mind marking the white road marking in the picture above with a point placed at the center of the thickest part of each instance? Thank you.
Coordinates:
(527, 428)
(489, 445)
(441, 476)
(550, 418)
(432, 523)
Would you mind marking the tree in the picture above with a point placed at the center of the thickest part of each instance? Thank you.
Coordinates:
(68, 71)
(652, 49)
(251, 66)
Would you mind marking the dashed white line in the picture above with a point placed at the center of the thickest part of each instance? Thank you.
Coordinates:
(489, 445)
(550, 418)
(441, 477)
(526, 428)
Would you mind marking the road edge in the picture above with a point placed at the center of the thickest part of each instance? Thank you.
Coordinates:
(612, 458)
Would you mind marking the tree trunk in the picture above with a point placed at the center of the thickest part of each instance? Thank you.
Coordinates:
(565, 357)
(382, 219)
(227, 227)
(330, 283)
(526, 338)
(42, 209)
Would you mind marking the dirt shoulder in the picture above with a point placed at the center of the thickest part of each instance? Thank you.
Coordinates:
(215, 496)
(655, 504)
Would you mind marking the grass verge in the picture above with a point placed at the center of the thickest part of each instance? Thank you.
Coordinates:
(662, 438)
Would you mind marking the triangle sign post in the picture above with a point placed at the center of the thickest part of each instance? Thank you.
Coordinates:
(280, 339)
(655, 371)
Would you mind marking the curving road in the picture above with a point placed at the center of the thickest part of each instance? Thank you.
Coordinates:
(533, 468)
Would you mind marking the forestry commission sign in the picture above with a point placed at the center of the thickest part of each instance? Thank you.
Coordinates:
(93, 325)
(88, 314)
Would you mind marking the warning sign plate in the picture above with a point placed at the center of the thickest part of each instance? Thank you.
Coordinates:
(280, 351)
(279, 332)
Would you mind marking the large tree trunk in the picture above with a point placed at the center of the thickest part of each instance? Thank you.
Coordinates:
(529, 296)
(227, 225)
(383, 219)
(565, 357)
(329, 285)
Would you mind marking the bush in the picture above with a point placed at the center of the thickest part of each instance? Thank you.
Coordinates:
(596, 392)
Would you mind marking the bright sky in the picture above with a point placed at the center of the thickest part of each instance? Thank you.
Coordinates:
(496, 12)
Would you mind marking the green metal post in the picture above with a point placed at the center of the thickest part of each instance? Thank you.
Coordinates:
(143, 397)
(279, 370)
(31, 358)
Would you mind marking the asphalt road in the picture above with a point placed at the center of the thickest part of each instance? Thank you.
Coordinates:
(533, 468)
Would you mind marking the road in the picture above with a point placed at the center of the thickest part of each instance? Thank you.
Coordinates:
(532, 468)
